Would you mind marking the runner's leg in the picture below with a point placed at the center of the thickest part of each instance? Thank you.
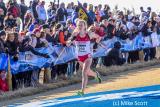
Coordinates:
(84, 76)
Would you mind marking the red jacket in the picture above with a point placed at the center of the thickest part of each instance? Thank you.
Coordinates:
(3, 85)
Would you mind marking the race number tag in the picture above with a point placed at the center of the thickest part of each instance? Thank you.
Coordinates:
(83, 48)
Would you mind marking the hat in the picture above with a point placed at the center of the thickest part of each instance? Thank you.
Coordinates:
(36, 30)
(2, 32)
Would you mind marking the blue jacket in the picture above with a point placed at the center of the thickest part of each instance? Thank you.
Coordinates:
(92, 14)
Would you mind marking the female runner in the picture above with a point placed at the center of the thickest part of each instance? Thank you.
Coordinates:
(82, 40)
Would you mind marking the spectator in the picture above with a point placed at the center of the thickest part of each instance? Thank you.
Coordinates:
(14, 9)
(2, 41)
(3, 7)
(48, 37)
(75, 15)
(1, 19)
(61, 14)
(3, 82)
(30, 5)
(114, 56)
(91, 12)
(12, 45)
(28, 19)
(23, 8)
(33, 8)
(38, 40)
(69, 11)
(69, 26)
(106, 11)
(147, 31)
(101, 31)
(85, 5)
(110, 29)
(41, 11)
(51, 12)
(25, 45)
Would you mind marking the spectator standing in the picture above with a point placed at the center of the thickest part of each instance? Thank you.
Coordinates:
(2, 6)
(41, 11)
(2, 41)
(1, 19)
(61, 14)
(69, 11)
(23, 8)
(33, 8)
(14, 9)
(91, 12)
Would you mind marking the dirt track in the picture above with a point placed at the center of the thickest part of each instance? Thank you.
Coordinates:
(134, 78)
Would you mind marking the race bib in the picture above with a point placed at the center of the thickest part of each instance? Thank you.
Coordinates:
(83, 48)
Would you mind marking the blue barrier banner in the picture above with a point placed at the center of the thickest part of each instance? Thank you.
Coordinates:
(60, 54)
(3, 61)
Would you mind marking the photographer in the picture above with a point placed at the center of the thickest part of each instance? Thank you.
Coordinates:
(114, 56)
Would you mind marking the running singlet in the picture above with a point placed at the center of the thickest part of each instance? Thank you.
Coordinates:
(83, 47)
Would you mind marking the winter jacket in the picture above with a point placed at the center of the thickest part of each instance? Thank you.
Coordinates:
(61, 15)
(2, 6)
(24, 9)
(92, 14)
(33, 7)
(42, 14)
(3, 85)
(15, 10)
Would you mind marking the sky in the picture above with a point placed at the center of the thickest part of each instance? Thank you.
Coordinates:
(124, 3)
(121, 3)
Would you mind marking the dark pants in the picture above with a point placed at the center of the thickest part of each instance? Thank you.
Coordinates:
(152, 53)
(133, 56)
(146, 54)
